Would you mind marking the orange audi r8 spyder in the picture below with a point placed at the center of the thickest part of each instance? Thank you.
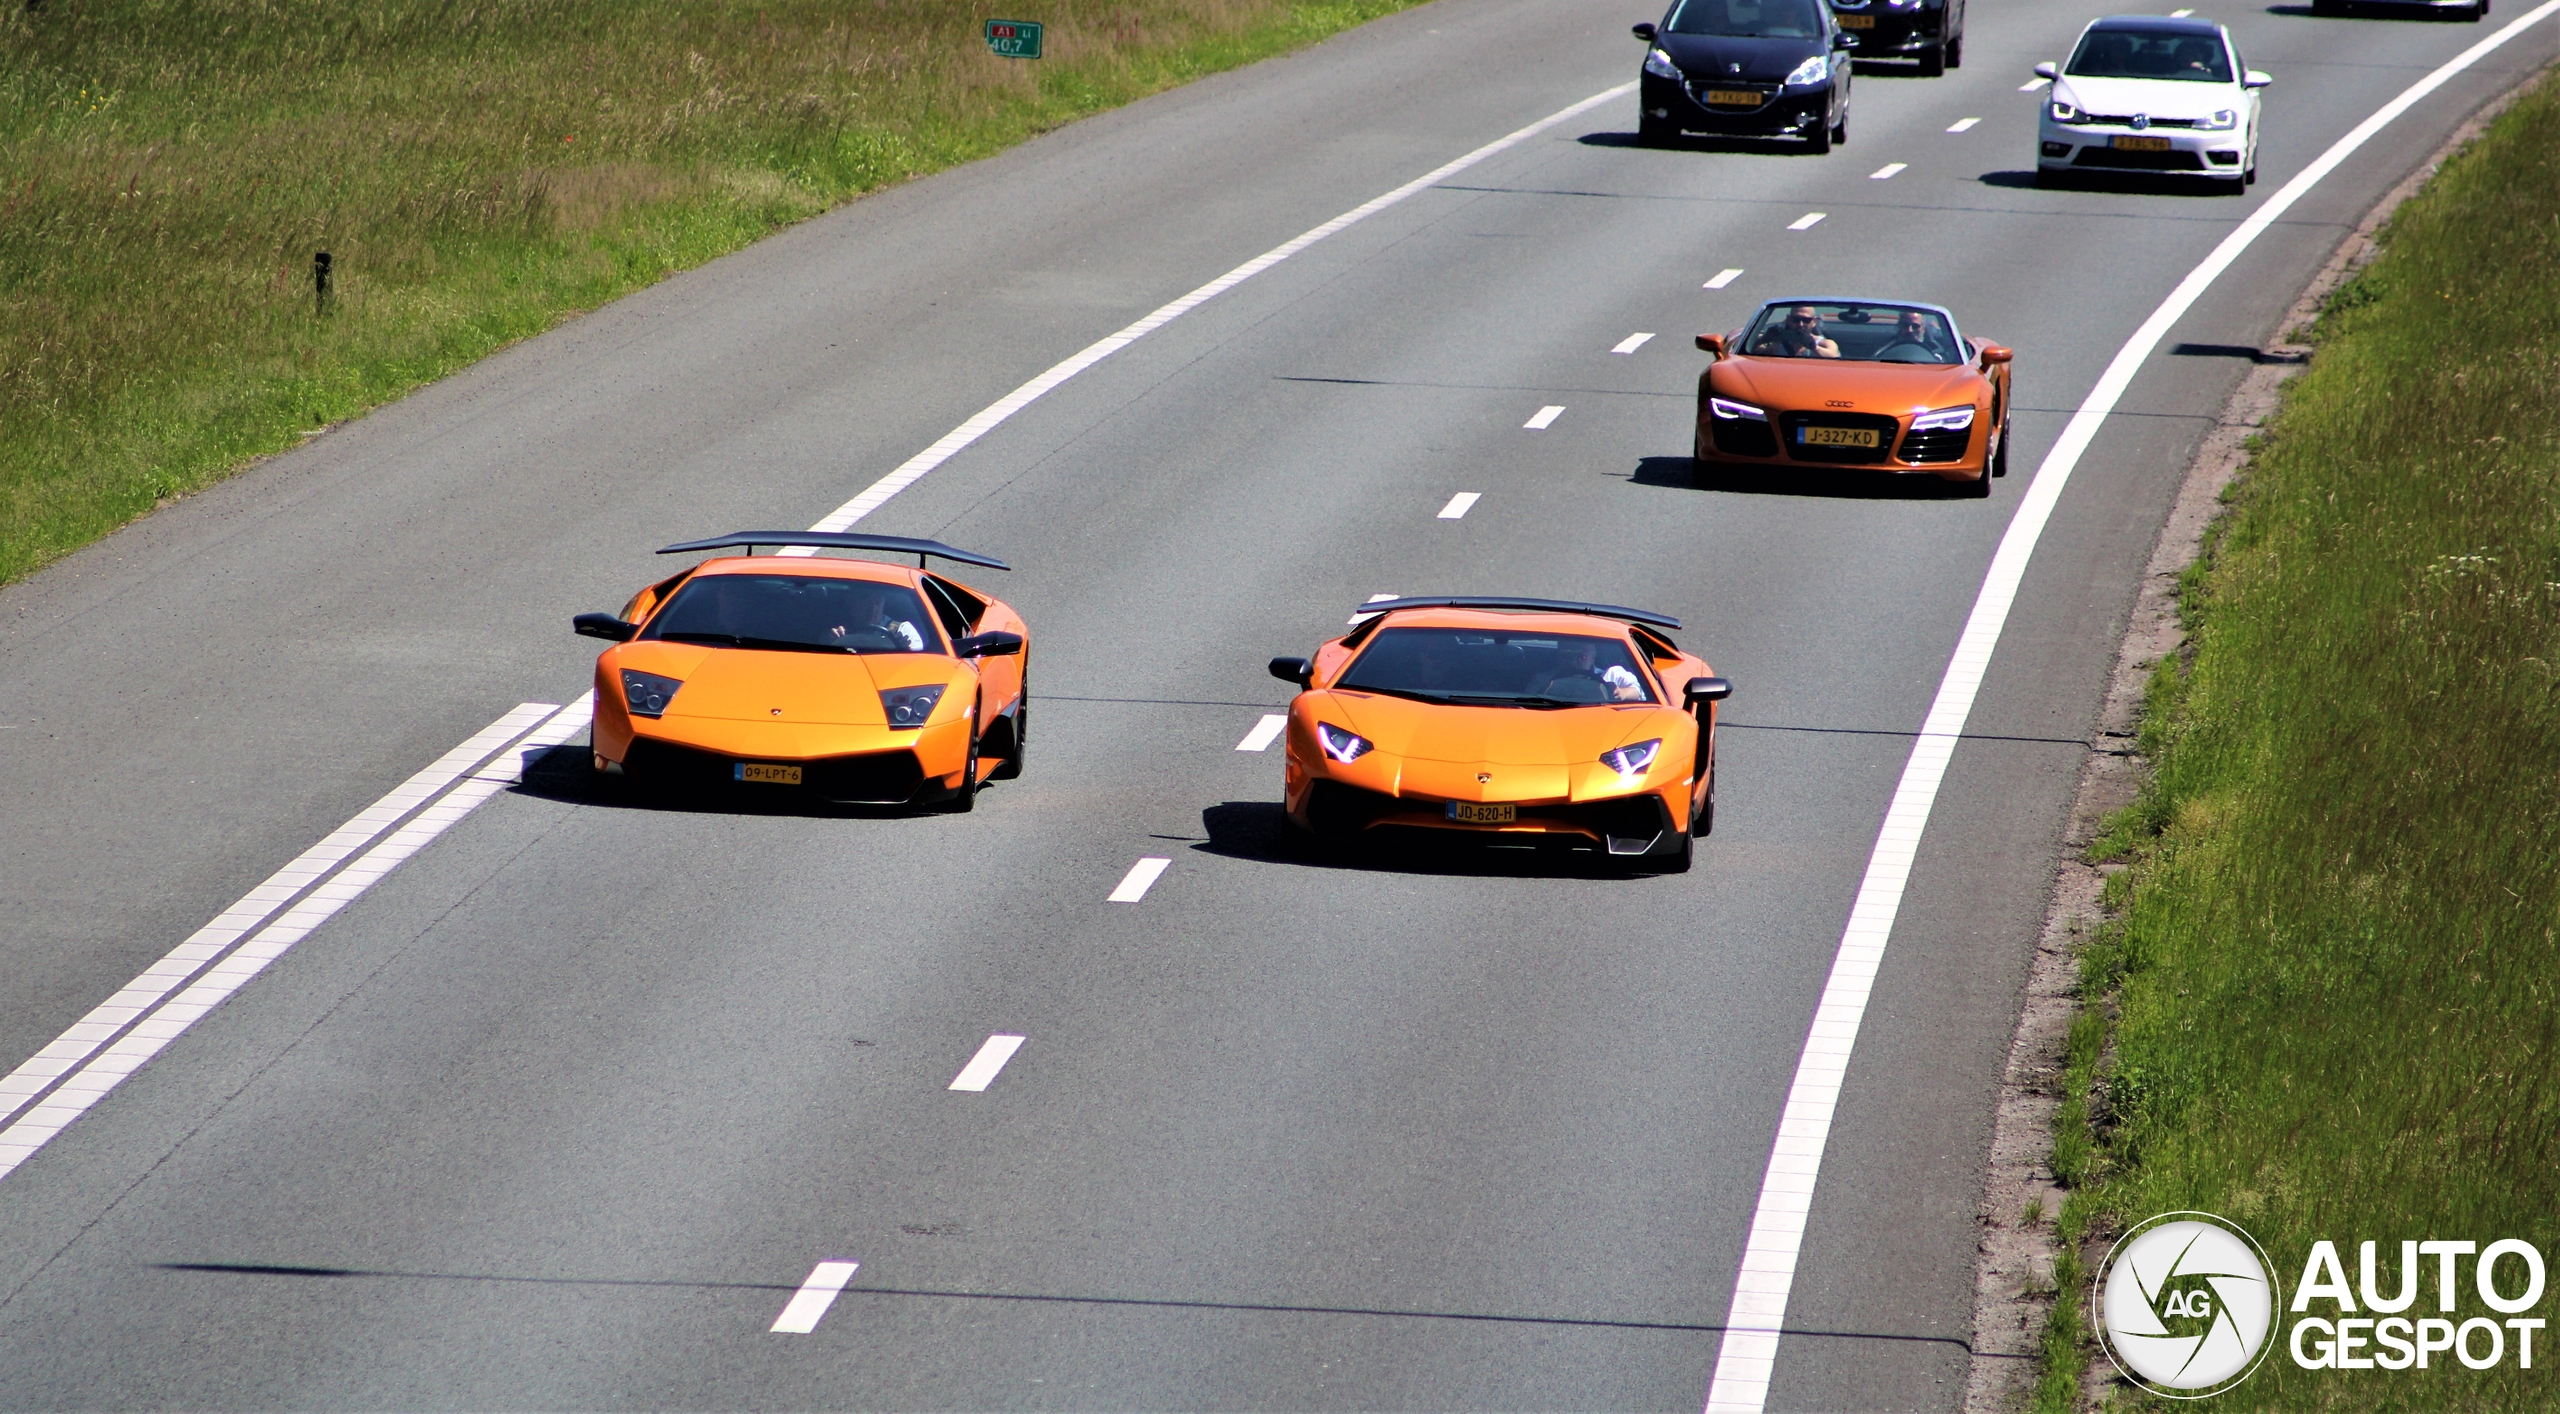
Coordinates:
(831, 679)
(1878, 384)
(1513, 719)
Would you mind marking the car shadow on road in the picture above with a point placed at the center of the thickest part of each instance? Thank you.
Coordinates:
(1768, 146)
(1255, 829)
(1832, 483)
(562, 773)
(2129, 183)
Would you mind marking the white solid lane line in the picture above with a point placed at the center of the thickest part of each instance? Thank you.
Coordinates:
(1264, 733)
(800, 1315)
(1140, 878)
(1724, 278)
(93, 1081)
(107, 1018)
(1767, 1276)
(1546, 415)
(1886, 171)
(994, 414)
(1631, 343)
(982, 1069)
(1807, 221)
(1460, 504)
(2033, 84)
(1962, 125)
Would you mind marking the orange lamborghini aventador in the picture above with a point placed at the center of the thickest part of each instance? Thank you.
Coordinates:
(1523, 718)
(833, 679)
(1859, 383)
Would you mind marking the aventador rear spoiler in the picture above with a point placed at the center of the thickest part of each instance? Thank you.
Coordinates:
(837, 540)
(1552, 606)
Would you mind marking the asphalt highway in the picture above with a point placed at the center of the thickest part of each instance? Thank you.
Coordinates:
(562, 1111)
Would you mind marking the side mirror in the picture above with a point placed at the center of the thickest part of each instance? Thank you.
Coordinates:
(1711, 343)
(2047, 71)
(1842, 39)
(1994, 353)
(1707, 690)
(1297, 670)
(987, 645)
(2256, 78)
(1647, 33)
(604, 626)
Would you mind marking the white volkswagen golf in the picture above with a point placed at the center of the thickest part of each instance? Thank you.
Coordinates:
(2147, 93)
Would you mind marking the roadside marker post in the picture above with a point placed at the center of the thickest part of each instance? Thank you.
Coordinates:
(1013, 39)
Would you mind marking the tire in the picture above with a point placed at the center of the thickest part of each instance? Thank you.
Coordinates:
(1978, 489)
(2479, 12)
(1011, 767)
(1821, 141)
(2048, 179)
(2000, 458)
(1655, 132)
(966, 798)
(1955, 52)
(1675, 860)
(1933, 61)
(1840, 130)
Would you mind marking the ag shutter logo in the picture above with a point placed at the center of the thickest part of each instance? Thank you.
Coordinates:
(2185, 1304)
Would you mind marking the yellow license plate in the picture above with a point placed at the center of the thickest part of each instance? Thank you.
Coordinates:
(1857, 22)
(2141, 144)
(768, 775)
(1733, 97)
(1836, 437)
(1468, 813)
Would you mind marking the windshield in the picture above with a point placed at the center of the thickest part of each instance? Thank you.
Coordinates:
(796, 613)
(2149, 54)
(1871, 333)
(1748, 19)
(1490, 668)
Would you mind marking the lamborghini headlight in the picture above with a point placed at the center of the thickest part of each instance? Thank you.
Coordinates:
(1631, 762)
(2223, 121)
(1944, 420)
(647, 694)
(1812, 71)
(1658, 63)
(1343, 746)
(1728, 408)
(907, 707)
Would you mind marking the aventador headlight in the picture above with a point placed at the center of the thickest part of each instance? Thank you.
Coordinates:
(647, 694)
(1944, 419)
(1658, 64)
(2062, 112)
(1812, 71)
(2222, 121)
(1726, 407)
(1632, 761)
(1345, 747)
(909, 706)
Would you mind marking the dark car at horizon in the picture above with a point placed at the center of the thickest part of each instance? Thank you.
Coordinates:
(1928, 31)
(1746, 68)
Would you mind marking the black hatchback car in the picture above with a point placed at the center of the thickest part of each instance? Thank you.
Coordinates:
(1931, 31)
(1746, 68)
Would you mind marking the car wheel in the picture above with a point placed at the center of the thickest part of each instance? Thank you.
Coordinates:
(1655, 132)
(2480, 12)
(1011, 766)
(1933, 61)
(1674, 860)
(1820, 142)
(2328, 8)
(2000, 458)
(1955, 52)
(1978, 489)
(966, 798)
(1840, 130)
(2047, 179)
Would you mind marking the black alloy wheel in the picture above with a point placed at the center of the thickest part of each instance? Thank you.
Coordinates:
(1933, 61)
(965, 799)
(2000, 458)
(1011, 766)
(1955, 51)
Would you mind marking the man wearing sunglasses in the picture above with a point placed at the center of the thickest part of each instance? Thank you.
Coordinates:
(1799, 337)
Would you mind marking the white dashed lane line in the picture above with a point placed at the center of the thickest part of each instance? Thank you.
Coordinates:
(1631, 343)
(1807, 221)
(983, 1067)
(800, 1315)
(1886, 171)
(1264, 733)
(1372, 599)
(1460, 504)
(2033, 84)
(1546, 416)
(1962, 125)
(1723, 278)
(1140, 878)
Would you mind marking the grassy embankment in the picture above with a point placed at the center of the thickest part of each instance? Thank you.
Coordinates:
(476, 170)
(2328, 1005)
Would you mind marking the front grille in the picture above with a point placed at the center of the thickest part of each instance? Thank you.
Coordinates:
(2125, 120)
(1698, 89)
(877, 777)
(1944, 444)
(1743, 437)
(1792, 425)
(1338, 810)
(2171, 161)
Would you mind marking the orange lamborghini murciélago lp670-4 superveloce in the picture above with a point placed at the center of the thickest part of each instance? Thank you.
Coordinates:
(1506, 718)
(1873, 384)
(829, 679)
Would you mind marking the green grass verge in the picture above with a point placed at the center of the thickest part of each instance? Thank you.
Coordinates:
(477, 169)
(2329, 1004)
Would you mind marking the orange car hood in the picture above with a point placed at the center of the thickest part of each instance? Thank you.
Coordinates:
(746, 685)
(1497, 736)
(1793, 384)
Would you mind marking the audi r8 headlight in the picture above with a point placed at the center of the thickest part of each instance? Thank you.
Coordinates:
(1343, 746)
(1812, 71)
(647, 694)
(1632, 761)
(1726, 407)
(2062, 112)
(909, 706)
(1944, 419)
(1658, 63)
(2222, 121)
